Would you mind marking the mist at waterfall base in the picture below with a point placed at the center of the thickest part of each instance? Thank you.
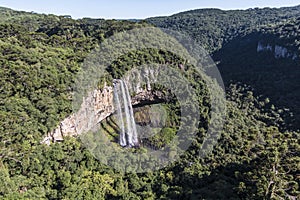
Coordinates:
(125, 117)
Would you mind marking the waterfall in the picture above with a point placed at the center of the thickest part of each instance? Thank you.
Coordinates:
(119, 116)
(126, 122)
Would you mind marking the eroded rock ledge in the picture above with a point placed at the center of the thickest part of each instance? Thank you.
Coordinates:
(98, 105)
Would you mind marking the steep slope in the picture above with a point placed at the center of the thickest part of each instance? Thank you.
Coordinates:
(268, 60)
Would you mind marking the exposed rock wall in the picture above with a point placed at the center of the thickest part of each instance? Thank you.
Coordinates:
(278, 51)
(94, 108)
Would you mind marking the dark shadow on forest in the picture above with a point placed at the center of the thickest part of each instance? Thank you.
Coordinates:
(270, 77)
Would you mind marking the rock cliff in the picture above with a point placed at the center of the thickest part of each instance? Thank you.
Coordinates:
(278, 51)
(94, 108)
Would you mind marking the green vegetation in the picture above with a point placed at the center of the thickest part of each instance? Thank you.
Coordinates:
(213, 27)
(256, 157)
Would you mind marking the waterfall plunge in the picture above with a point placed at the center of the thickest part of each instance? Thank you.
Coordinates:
(126, 122)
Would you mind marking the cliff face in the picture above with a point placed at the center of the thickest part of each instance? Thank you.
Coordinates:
(278, 51)
(98, 105)
(94, 108)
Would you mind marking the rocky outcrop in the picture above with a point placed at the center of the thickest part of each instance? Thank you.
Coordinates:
(94, 108)
(278, 51)
(282, 52)
(146, 97)
(261, 47)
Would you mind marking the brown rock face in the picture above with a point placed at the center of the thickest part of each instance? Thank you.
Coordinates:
(94, 108)
(146, 97)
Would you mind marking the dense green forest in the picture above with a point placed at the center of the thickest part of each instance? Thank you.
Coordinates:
(256, 157)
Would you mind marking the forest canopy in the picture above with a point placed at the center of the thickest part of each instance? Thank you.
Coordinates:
(256, 157)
